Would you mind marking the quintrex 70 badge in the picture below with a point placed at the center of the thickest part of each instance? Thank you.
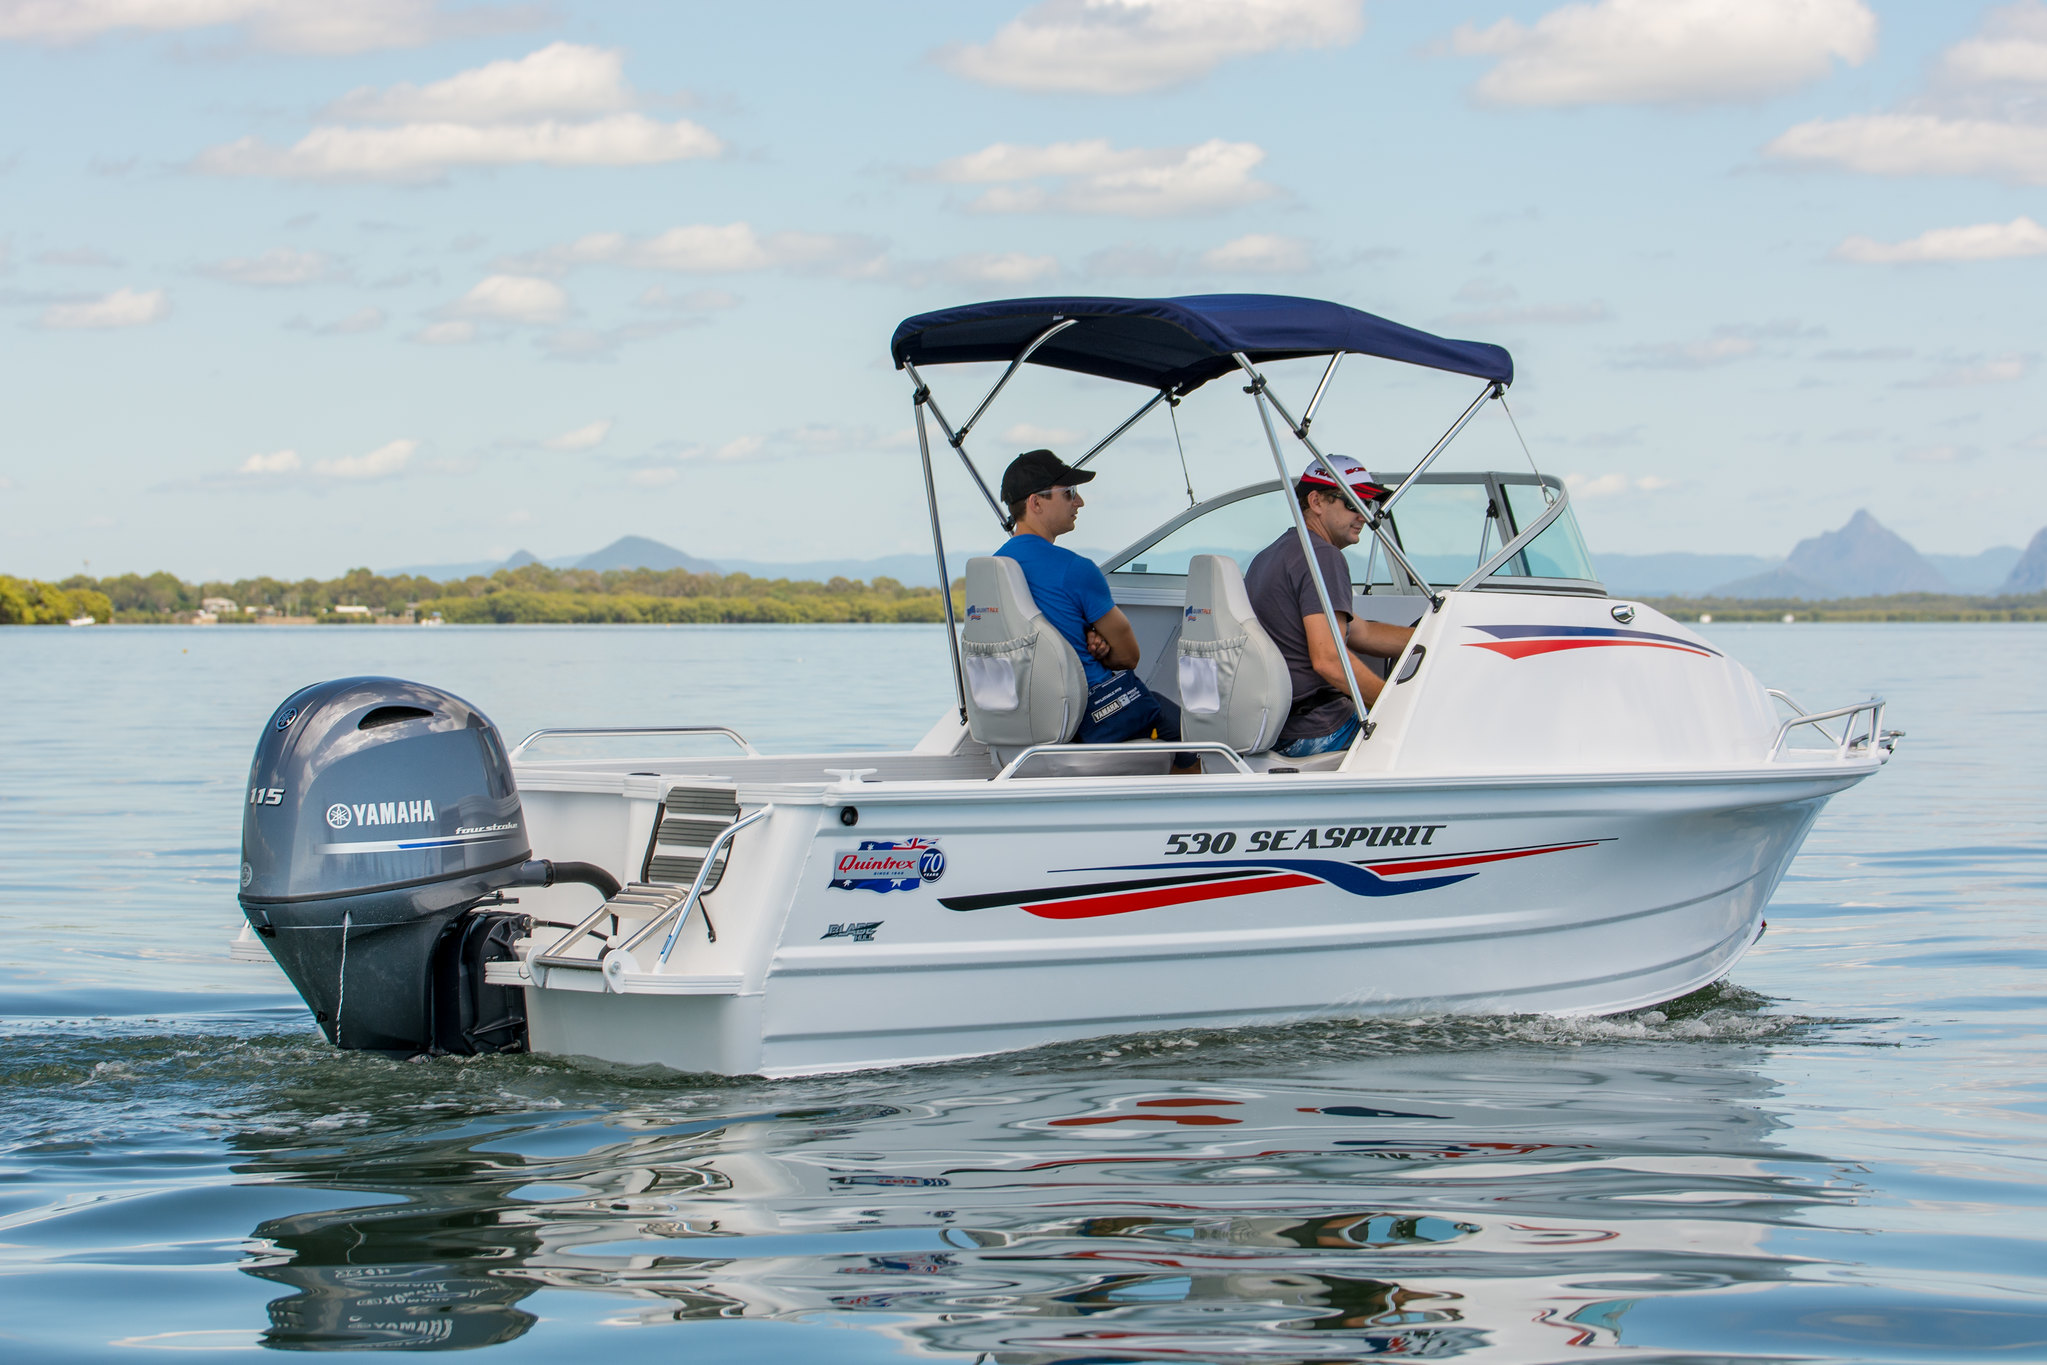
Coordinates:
(888, 865)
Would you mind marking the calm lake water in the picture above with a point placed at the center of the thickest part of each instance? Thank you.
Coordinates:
(1841, 1156)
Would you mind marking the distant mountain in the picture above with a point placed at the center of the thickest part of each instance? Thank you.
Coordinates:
(1862, 559)
(639, 552)
(2030, 573)
(1674, 574)
(1977, 572)
(441, 573)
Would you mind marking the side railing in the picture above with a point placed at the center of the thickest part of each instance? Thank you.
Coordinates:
(1861, 727)
(588, 730)
(1171, 746)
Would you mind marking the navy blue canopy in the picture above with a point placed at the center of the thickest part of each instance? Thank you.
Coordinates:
(1182, 343)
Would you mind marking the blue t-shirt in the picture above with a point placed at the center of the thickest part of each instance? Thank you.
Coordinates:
(1069, 589)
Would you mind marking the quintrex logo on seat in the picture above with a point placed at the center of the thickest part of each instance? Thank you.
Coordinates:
(888, 865)
(340, 816)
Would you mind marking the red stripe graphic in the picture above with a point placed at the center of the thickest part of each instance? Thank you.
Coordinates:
(1088, 907)
(1522, 649)
(1432, 864)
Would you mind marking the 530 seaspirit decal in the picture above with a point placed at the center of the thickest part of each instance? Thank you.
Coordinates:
(1220, 878)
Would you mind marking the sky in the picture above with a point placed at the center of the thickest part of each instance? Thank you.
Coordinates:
(288, 286)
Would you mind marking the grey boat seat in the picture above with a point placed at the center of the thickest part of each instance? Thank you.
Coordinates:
(1025, 684)
(1234, 684)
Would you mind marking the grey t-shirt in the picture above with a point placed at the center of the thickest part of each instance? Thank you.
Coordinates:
(1282, 595)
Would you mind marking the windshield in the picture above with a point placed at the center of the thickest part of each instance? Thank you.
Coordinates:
(1446, 525)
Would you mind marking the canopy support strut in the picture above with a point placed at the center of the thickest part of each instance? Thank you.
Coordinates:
(1349, 494)
(1132, 420)
(1336, 632)
(923, 400)
(952, 635)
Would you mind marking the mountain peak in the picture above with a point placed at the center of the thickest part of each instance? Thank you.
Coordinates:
(1864, 558)
(2030, 573)
(642, 552)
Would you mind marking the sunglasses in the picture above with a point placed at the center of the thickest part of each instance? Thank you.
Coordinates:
(1072, 493)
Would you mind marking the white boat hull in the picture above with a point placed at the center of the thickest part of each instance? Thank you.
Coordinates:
(1055, 916)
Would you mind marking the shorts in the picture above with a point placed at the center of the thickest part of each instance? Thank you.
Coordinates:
(1122, 708)
(1340, 738)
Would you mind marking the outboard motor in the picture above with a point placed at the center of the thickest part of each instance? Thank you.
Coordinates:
(382, 822)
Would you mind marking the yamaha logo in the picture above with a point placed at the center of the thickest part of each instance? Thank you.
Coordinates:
(338, 816)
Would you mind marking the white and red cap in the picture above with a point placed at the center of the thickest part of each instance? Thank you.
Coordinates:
(1356, 475)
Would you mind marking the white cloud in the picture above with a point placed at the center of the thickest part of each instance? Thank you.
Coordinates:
(653, 478)
(2001, 369)
(277, 462)
(361, 320)
(529, 111)
(382, 463)
(1031, 436)
(1723, 345)
(1612, 485)
(1094, 177)
(1003, 267)
(1981, 115)
(277, 266)
(428, 151)
(1120, 47)
(1981, 242)
(319, 26)
(513, 298)
(1920, 144)
(122, 308)
(715, 249)
(1668, 51)
(446, 334)
(561, 78)
(2011, 50)
(1261, 253)
(585, 437)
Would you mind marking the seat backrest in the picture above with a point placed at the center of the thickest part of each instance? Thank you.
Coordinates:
(1025, 684)
(1234, 684)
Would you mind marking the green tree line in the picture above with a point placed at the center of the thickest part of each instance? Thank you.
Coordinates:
(530, 593)
(1910, 606)
(31, 602)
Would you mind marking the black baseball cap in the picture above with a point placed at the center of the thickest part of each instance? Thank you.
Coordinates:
(1034, 471)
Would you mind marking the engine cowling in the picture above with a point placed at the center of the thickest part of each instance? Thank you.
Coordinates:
(379, 813)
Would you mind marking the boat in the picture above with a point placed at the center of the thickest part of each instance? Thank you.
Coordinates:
(83, 619)
(1563, 803)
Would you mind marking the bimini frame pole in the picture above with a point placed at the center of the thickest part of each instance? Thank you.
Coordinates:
(1493, 389)
(1348, 493)
(952, 636)
(1132, 420)
(1293, 503)
(958, 442)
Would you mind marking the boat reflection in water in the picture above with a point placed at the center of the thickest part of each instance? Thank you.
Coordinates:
(1371, 1207)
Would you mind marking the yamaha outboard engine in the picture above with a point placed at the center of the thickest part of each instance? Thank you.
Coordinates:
(382, 823)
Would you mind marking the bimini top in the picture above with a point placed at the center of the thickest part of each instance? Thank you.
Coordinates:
(1180, 344)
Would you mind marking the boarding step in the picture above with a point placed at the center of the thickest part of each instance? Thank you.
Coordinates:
(690, 819)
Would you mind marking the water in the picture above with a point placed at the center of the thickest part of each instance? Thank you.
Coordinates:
(1839, 1156)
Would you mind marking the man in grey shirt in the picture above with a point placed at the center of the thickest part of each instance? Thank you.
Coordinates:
(1324, 718)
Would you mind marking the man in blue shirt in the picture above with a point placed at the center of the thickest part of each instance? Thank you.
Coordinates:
(1043, 495)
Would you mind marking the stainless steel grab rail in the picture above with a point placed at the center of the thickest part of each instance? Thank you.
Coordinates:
(1853, 736)
(552, 731)
(696, 892)
(1171, 746)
